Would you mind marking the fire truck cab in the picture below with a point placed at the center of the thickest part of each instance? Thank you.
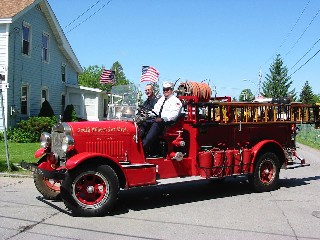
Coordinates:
(88, 163)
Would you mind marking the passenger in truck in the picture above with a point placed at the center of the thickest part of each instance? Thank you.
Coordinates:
(151, 97)
(166, 109)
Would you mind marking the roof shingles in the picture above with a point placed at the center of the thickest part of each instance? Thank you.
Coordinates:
(9, 8)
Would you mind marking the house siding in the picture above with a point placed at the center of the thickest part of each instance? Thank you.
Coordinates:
(32, 71)
(3, 71)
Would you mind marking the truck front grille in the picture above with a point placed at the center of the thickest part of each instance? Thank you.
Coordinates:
(56, 138)
(112, 148)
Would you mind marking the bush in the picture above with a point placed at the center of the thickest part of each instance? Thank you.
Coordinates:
(69, 114)
(46, 110)
(19, 135)
(28, 131)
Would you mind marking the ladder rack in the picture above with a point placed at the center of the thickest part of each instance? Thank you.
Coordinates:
(252, 113)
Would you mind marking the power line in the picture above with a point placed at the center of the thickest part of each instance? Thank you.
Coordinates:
(89, 16)
(303, 32)
(305, 63)
(288, 34)
(305, 54)
(82, 14)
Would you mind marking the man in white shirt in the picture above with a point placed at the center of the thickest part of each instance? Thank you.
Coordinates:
(167, 108)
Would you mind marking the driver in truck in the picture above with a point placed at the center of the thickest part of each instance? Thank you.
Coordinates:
(166, 109)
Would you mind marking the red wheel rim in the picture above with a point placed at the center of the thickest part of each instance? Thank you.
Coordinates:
(267, 171)
(52, 184)
(90, 189)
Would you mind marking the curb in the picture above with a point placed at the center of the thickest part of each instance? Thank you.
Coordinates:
(15, 175)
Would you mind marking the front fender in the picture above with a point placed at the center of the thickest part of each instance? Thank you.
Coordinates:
(39, 153)
(82, 157)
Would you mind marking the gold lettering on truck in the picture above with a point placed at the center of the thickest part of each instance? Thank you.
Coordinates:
(101, 129)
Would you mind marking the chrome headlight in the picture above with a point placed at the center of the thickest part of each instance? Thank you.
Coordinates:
(67, 143)
(45, 139)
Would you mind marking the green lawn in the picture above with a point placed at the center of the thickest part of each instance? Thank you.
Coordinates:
(17, 153)
(309, 136)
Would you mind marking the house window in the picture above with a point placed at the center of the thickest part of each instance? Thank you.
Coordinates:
(63, 73)
(44, 95)
(63, 103)
(105, 108)
(24, 99)
(26, 39)
(45, 47)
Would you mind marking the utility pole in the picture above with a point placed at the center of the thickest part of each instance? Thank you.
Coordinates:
(4, 125)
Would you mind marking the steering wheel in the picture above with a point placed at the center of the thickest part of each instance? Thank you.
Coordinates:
(145, 111)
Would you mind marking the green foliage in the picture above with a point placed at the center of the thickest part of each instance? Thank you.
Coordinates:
(29, 131)
(278, 82)
(246, 95)
(46, 110)
(119, 77)
(69, 114)
(90, 77)
(316, 98)
(306, 95)
(19, 135)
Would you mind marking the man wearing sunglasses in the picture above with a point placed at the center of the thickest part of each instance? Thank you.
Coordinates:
(167, 109)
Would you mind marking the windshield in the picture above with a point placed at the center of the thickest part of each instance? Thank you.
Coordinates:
(123, 102)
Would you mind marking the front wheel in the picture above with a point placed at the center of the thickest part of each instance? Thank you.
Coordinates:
(90, 190)
(50, 189)
(266, 173)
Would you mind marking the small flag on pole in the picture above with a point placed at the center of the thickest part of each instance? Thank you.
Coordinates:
(107, 76)
(149, 74)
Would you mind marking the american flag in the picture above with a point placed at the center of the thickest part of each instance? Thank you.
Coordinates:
(149, 74)
(107, 76)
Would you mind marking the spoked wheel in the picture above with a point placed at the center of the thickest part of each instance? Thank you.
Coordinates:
(90, 190)
(49, 188)
(266, 173)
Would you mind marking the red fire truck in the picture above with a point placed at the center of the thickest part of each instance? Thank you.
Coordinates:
(88, 163)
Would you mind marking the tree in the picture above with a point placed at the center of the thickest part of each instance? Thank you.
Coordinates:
(90, 77)
(246, 95)
(316, 98)
(278, 82)
(306, 95)
(119, 76)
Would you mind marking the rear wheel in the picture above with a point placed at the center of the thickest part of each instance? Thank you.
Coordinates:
(90, 190)
(266, 173)
(49, 188)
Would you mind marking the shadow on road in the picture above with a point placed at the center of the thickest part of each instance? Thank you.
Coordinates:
(180, 193)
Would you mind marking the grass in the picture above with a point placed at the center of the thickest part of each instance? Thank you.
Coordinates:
(309, 136)
(17, 153)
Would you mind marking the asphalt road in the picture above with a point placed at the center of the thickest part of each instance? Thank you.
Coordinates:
(194, 210)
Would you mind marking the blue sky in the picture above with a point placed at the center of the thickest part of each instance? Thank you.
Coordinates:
(223, 41)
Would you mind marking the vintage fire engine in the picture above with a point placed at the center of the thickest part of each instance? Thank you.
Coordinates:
(88, 163)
